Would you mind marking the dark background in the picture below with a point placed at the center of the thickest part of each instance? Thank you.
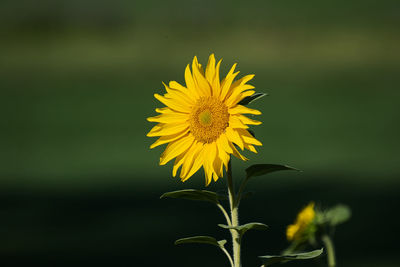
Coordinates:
(79, 185)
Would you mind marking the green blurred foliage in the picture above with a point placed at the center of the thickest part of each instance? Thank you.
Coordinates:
(77, 81)
(78, 78)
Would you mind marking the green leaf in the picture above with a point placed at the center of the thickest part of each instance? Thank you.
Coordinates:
(201, 240)
(261, 169)
(193, 194)
(245, 227)
(338, 214)
(270, 259)
(248, 99)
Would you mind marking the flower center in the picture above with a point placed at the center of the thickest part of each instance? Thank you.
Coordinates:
(209, 119)
(205, 118)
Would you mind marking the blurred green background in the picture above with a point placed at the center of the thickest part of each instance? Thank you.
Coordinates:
(79, 185)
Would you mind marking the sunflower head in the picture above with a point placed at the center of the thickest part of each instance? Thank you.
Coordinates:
(202, 122)
(303, 221)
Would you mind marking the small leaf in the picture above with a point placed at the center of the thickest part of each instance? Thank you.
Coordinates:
(338, 214)
(222, 242)
(192, 194)
(201, 240)
(261, 169)
(248, 99)
(245, 227)
(270, 259)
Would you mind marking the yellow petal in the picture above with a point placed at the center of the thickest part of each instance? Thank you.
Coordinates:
(155, 129)
(306, 215)
(250, 147)
(223, 141)
(196, 65)
(176, 148)
(173, 104)
(200, 80)
(197, 163)
(212, 155)
(207, 177)
(227, 82)
(165, 110)
(223, 155)
(236, 98)
(190, 82)
(170, 118)
(210, 69)
(178, 162)
(179, 96)
(216, 82)
(247, 120)
(210, 159)
(245, 79)
(234, 137)
(239, 87)
(251, 141)
(190, 165)
(167, 139)
(235, 122)
(241, 83)
(215, 177)
(239, 109)
(168, 129)
(177, 86)
(291, 231)
(237, 154)
(248, 138)
(217, 164)
(207, 168)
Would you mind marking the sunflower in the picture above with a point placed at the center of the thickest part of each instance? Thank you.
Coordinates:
(303, 221)
(202, 121)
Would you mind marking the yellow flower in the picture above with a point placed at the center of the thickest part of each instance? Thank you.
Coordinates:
(304, 218)
(202, 121)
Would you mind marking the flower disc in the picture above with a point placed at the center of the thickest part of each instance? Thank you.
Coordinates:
(208, 120)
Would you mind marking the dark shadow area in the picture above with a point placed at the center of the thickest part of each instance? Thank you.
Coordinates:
(129, 226)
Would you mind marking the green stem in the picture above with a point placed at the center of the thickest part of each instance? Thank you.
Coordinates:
(234, 217)
(330, 250)
(228, 255)
(228, 220)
